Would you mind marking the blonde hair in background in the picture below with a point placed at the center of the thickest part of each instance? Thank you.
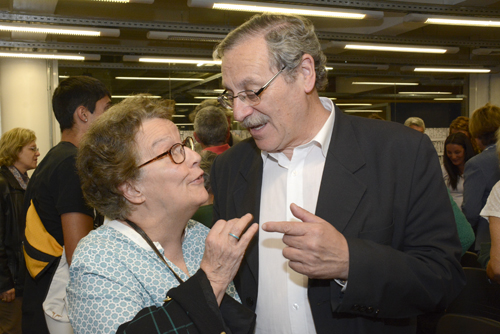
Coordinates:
(11, 144)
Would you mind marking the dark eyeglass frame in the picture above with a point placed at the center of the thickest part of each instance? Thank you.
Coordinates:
(227, 100)
(189, 142)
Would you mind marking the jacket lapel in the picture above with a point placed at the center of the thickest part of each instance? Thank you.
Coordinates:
(246, 199)
(340, 190)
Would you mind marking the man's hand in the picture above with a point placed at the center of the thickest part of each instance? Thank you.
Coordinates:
(8, 295)
(315, 248)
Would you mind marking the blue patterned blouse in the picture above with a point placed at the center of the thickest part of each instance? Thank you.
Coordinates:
(114, 274)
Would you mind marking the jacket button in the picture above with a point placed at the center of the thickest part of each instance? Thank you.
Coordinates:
(369, 309)
(249, 301)
(355, 307)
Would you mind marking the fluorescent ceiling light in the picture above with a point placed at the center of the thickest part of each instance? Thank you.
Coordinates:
(385, 83)
(328, 68)
(452, 20)
(45, 55)
(199, 62)
(332, 98)
(353, 104)
(354, 65)
(187, 104)
(452, 70)
(129, 96)
(185, 36)
(63, 76)
(206, 97)
(128, 1)
(158, 78)
(259, 7)
(359, 110)
(425, 93)
(58, 29)
(448, 98)
(219, 90)
(395, 48)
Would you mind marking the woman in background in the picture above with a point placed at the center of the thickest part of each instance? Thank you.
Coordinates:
(458, 150)
(461, 124)
(18, 154)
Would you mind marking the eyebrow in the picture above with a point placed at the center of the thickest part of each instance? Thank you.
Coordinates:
(160, 141)
(244, 83)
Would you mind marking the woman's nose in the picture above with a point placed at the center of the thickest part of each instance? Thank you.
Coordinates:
(192, 157)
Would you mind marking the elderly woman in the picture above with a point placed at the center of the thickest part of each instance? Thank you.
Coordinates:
(149, 269)
(18, 154)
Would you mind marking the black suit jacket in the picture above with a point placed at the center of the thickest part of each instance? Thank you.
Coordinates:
(382, 188)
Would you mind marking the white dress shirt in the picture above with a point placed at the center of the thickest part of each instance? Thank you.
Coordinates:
(282, 303)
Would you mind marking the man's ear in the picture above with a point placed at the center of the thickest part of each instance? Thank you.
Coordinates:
(309, 72)
(195, 135)
(131, 193)
(82, 114)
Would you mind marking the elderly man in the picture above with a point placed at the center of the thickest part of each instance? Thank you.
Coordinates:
(366, 237)
(211, 129)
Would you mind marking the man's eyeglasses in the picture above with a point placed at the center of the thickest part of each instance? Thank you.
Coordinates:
(176, 152)
(34, 149)
(250, 97)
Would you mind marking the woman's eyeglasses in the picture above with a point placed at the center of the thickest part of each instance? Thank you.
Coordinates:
(177, 152)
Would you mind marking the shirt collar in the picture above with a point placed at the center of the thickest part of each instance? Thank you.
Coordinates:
(323, 137)
(130, 233)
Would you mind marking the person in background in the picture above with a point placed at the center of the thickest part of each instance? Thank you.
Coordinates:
(148, 269)
(205, 213)
(357, 233)
(233, 139)
(457, 151)
(211, 129)
(461, 124)
(415, 123)
(57, 216)
(376, 116)
(482, 171)
(18, 154)
(491, 211)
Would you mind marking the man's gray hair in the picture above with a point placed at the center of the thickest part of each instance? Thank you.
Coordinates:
(211, 126)
(417, 121)
(288, 38)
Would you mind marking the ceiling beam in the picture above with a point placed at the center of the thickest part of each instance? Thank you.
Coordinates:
(478, 9)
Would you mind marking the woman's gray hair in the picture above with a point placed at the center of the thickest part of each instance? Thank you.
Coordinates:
(288, 38)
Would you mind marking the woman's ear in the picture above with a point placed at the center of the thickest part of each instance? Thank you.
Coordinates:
(131, 193)
(309, 72)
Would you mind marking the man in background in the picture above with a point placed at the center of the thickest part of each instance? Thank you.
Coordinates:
(57, 215)
(211, 129)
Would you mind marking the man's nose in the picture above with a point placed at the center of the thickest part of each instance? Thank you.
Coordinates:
(241, 110)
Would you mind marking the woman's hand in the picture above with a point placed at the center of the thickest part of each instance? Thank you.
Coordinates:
(8, 295)
(224, 252)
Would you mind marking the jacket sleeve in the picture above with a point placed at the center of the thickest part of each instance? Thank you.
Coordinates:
(192, 308)
(6, 280)
(474, 187)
